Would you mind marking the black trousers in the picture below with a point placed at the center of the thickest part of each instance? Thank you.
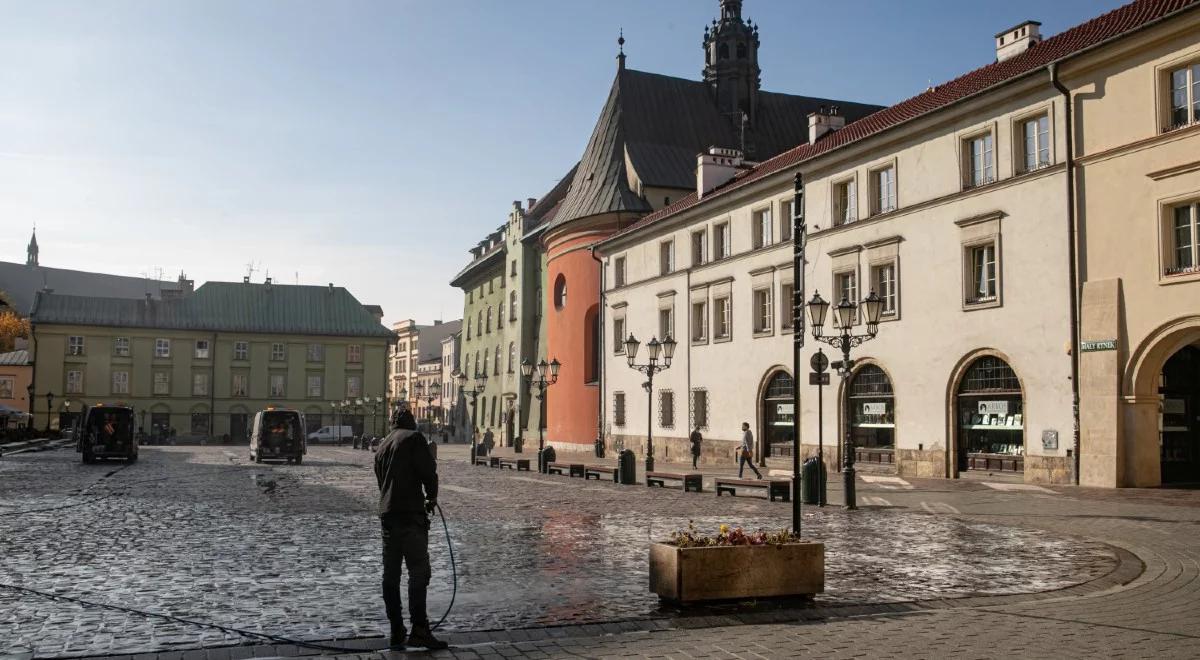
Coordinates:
(406, 543)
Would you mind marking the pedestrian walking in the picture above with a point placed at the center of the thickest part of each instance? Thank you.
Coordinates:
(696, 439)
(746, 454)
(489, 440)
(408, 487)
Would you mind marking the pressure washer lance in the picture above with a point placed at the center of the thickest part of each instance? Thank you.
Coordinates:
(278, 639)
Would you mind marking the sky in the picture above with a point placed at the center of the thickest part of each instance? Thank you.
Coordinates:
(372, 143)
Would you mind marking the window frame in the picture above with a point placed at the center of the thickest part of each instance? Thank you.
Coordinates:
(763, 311)
(320, 386)
(278, 351)
(354, 392)
(693, 407)
(669, 311)
(787, 321)
(666, 408)
(966, 144)
(161, 377)
(315, 353)
(874, 269)
(844, 212)
(1190, 66)
(200, 383)
(512, 307)
(78, 387)
(876, 206)
(762, 224)
(722, 317)
(121, 347)
(241, 350)
(785, 220)
(699, 321)
(855, 289)
(1019, 123)
(354, 353)
(666, 257)
(202, 349)
(282, 391)
(700, 248)
(1169, 270)
(162, 348)
(620, 275)
(113, 383)
(723, 232)
(969, 301)
(619, 344)
(619, 409)
(76, 348)
(234, 392)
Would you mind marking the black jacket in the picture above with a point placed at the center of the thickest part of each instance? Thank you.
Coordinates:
(403, 466)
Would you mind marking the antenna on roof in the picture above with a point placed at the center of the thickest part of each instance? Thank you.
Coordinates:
(250, 268)
(621, 49)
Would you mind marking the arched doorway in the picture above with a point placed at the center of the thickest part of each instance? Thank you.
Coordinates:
(778, 416)
(1179, 424)
(239, 425)
(871, 415)
(990, 418)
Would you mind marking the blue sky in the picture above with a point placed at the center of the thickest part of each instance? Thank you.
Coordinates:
(370, 144)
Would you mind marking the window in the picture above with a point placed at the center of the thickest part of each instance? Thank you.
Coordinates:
(883, 281)
(981, 165)
(618, 409)
(619, 336)
(666, 409)
(1185, 95)
(762, 311)
(120, 382)
(1035, 138)
(666, 257)
(241, 350)
(786, 291)
(700, 409)
(845, 202)
(354, 353)
(1184, 251)
(721, 318)
(496, 362)
(277, 352)
(492, 285)
(982, 262)
(512, 307)
(699, 247)
(316, 352)
(74, 382)
(512, 357)
(513, 269)
(354, 386)
(761, 226)
(700, 321)
(883, 188)
(201, 349)
(482, 366)
(316, 386)
(846, 286)
(120, 347)
(666, 323)
(278, 386)
(7, 385)
(199, 384)
(785, 220)
(721, 245)
(199, 422)
(500, 316)
(560, 292)
(468, 327)
(240, 385)
(162, 382)
(619, 271)
(74, 345)
(162, 348)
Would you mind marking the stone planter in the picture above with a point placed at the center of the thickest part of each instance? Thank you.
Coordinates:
(688, 575)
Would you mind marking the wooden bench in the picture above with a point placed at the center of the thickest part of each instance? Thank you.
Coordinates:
(573, 469)
(594, 472)
(517, 464)
(494, 461)
(690, 480)
(776, 488)
(481, 460)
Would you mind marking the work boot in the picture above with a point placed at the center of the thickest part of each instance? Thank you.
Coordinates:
(396, 641)
(423, 636)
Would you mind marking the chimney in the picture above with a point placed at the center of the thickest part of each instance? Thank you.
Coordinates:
(1017, 40)
(824, 121)
(268, 282)
(331, 287)
(245, 279)
(530, 202)
(715, 168)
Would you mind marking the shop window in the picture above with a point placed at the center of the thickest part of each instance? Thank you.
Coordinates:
(778, 406)
(871, 409)
(990, 415)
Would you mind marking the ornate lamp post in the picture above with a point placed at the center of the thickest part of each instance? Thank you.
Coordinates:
(375, 407)
(667, 349)
(333, 408)
(67, 409)
(474, 392)
(428, 390)
(49, 408)
(537, 387)
(844, 317)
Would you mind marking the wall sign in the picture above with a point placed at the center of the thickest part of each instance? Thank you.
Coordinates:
(1049, 439)
(785, 408)
(993, 407)
(1098, 345)
(875, 408)
(818, 379)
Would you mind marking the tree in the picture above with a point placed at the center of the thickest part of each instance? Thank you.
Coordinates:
(12, 327)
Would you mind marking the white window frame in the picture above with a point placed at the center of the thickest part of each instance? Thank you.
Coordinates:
(722, 318)
(278, 351)
(619, 273)
(1190, 68)
(314, 386)
(281, 380)
(74, 384)
(76, 345)
(839, 290)
(666, 257)
(162, 383)
(315, 352)
(241, 350)
(880, 203)
(354, 386)
(699, 245)
(1021, 141)
(761, 224)
(203, 349)
(845, 200)
(120, 382)
(785, 219)
(244, 381)
(200, 384)
(618, 335)
(979, 159)
(1172, 270)
(763, 306)
(722, 241)
(887, 291)
(699, 321)
(667, 312)
(162, 347)
(354, 353)
(512, 307)
(971, 296)
(121, 346)
(787, 290)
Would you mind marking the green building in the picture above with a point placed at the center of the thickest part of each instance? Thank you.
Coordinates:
(203, 362)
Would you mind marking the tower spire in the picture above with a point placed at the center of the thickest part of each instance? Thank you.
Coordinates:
(621, 50)
(31, 252)
(731, 63)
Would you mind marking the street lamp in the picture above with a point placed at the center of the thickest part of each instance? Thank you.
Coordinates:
(537, 387)
(843, 321)
(667, 348)
(67, 409)
(480, 382)
(49, 407)
(375, 406)
(427, 390)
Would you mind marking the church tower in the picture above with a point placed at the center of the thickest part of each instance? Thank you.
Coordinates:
(731, 63)
(31, 252)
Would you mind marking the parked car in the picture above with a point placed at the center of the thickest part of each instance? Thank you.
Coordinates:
(278, 434)
(332, 434)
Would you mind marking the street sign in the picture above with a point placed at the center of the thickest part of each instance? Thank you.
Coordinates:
(819, 362)
(1100, 345)
(818, 379)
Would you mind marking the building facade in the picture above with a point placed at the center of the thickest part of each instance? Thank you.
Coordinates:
(415, 345)
(456, 414)
(16, 377)
(204, 362)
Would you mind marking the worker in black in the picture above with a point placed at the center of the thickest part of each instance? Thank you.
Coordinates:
(408, 488)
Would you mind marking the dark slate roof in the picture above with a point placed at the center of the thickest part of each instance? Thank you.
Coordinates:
(1112, 25)
(658, 124)
(223, 307)
(15, 359)
(22, 282)
(546, 209)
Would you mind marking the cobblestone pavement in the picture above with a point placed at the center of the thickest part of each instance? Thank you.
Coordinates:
(201, 533)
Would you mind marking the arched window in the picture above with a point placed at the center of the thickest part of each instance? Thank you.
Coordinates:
(476, 364)
(869, 402)
(723, 51)
(777, 416)
(492, 419)
(479, 323)
(560, 292)
(482, 410)
(512, 307)
(500, 317)
(591, 345)
(489, 320)
(496, 362)
(512, 356)
(483, 366)
(991, 418)
(741, 51)
(468, 327)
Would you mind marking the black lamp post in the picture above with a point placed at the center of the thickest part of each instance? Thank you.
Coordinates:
(537, 388)
(426, 390)
(49, 408)
(667, 349)
(474, 392)
(844, 317)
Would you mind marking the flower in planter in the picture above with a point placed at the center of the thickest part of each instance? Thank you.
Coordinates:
(726, 536)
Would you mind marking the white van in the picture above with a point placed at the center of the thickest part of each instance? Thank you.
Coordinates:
(277, 434)
(331, 434)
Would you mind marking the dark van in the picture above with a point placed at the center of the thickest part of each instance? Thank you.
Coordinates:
(106, 431)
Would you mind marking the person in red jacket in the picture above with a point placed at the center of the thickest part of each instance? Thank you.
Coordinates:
(408, 487)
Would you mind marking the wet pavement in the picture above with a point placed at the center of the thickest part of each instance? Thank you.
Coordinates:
(202, 533)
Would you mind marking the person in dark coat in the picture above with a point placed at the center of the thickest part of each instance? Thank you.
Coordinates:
(408, 488)
(696, 439)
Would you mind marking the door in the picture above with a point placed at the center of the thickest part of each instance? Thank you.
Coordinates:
(238, 425)
(778, 413)
(1180, 424)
